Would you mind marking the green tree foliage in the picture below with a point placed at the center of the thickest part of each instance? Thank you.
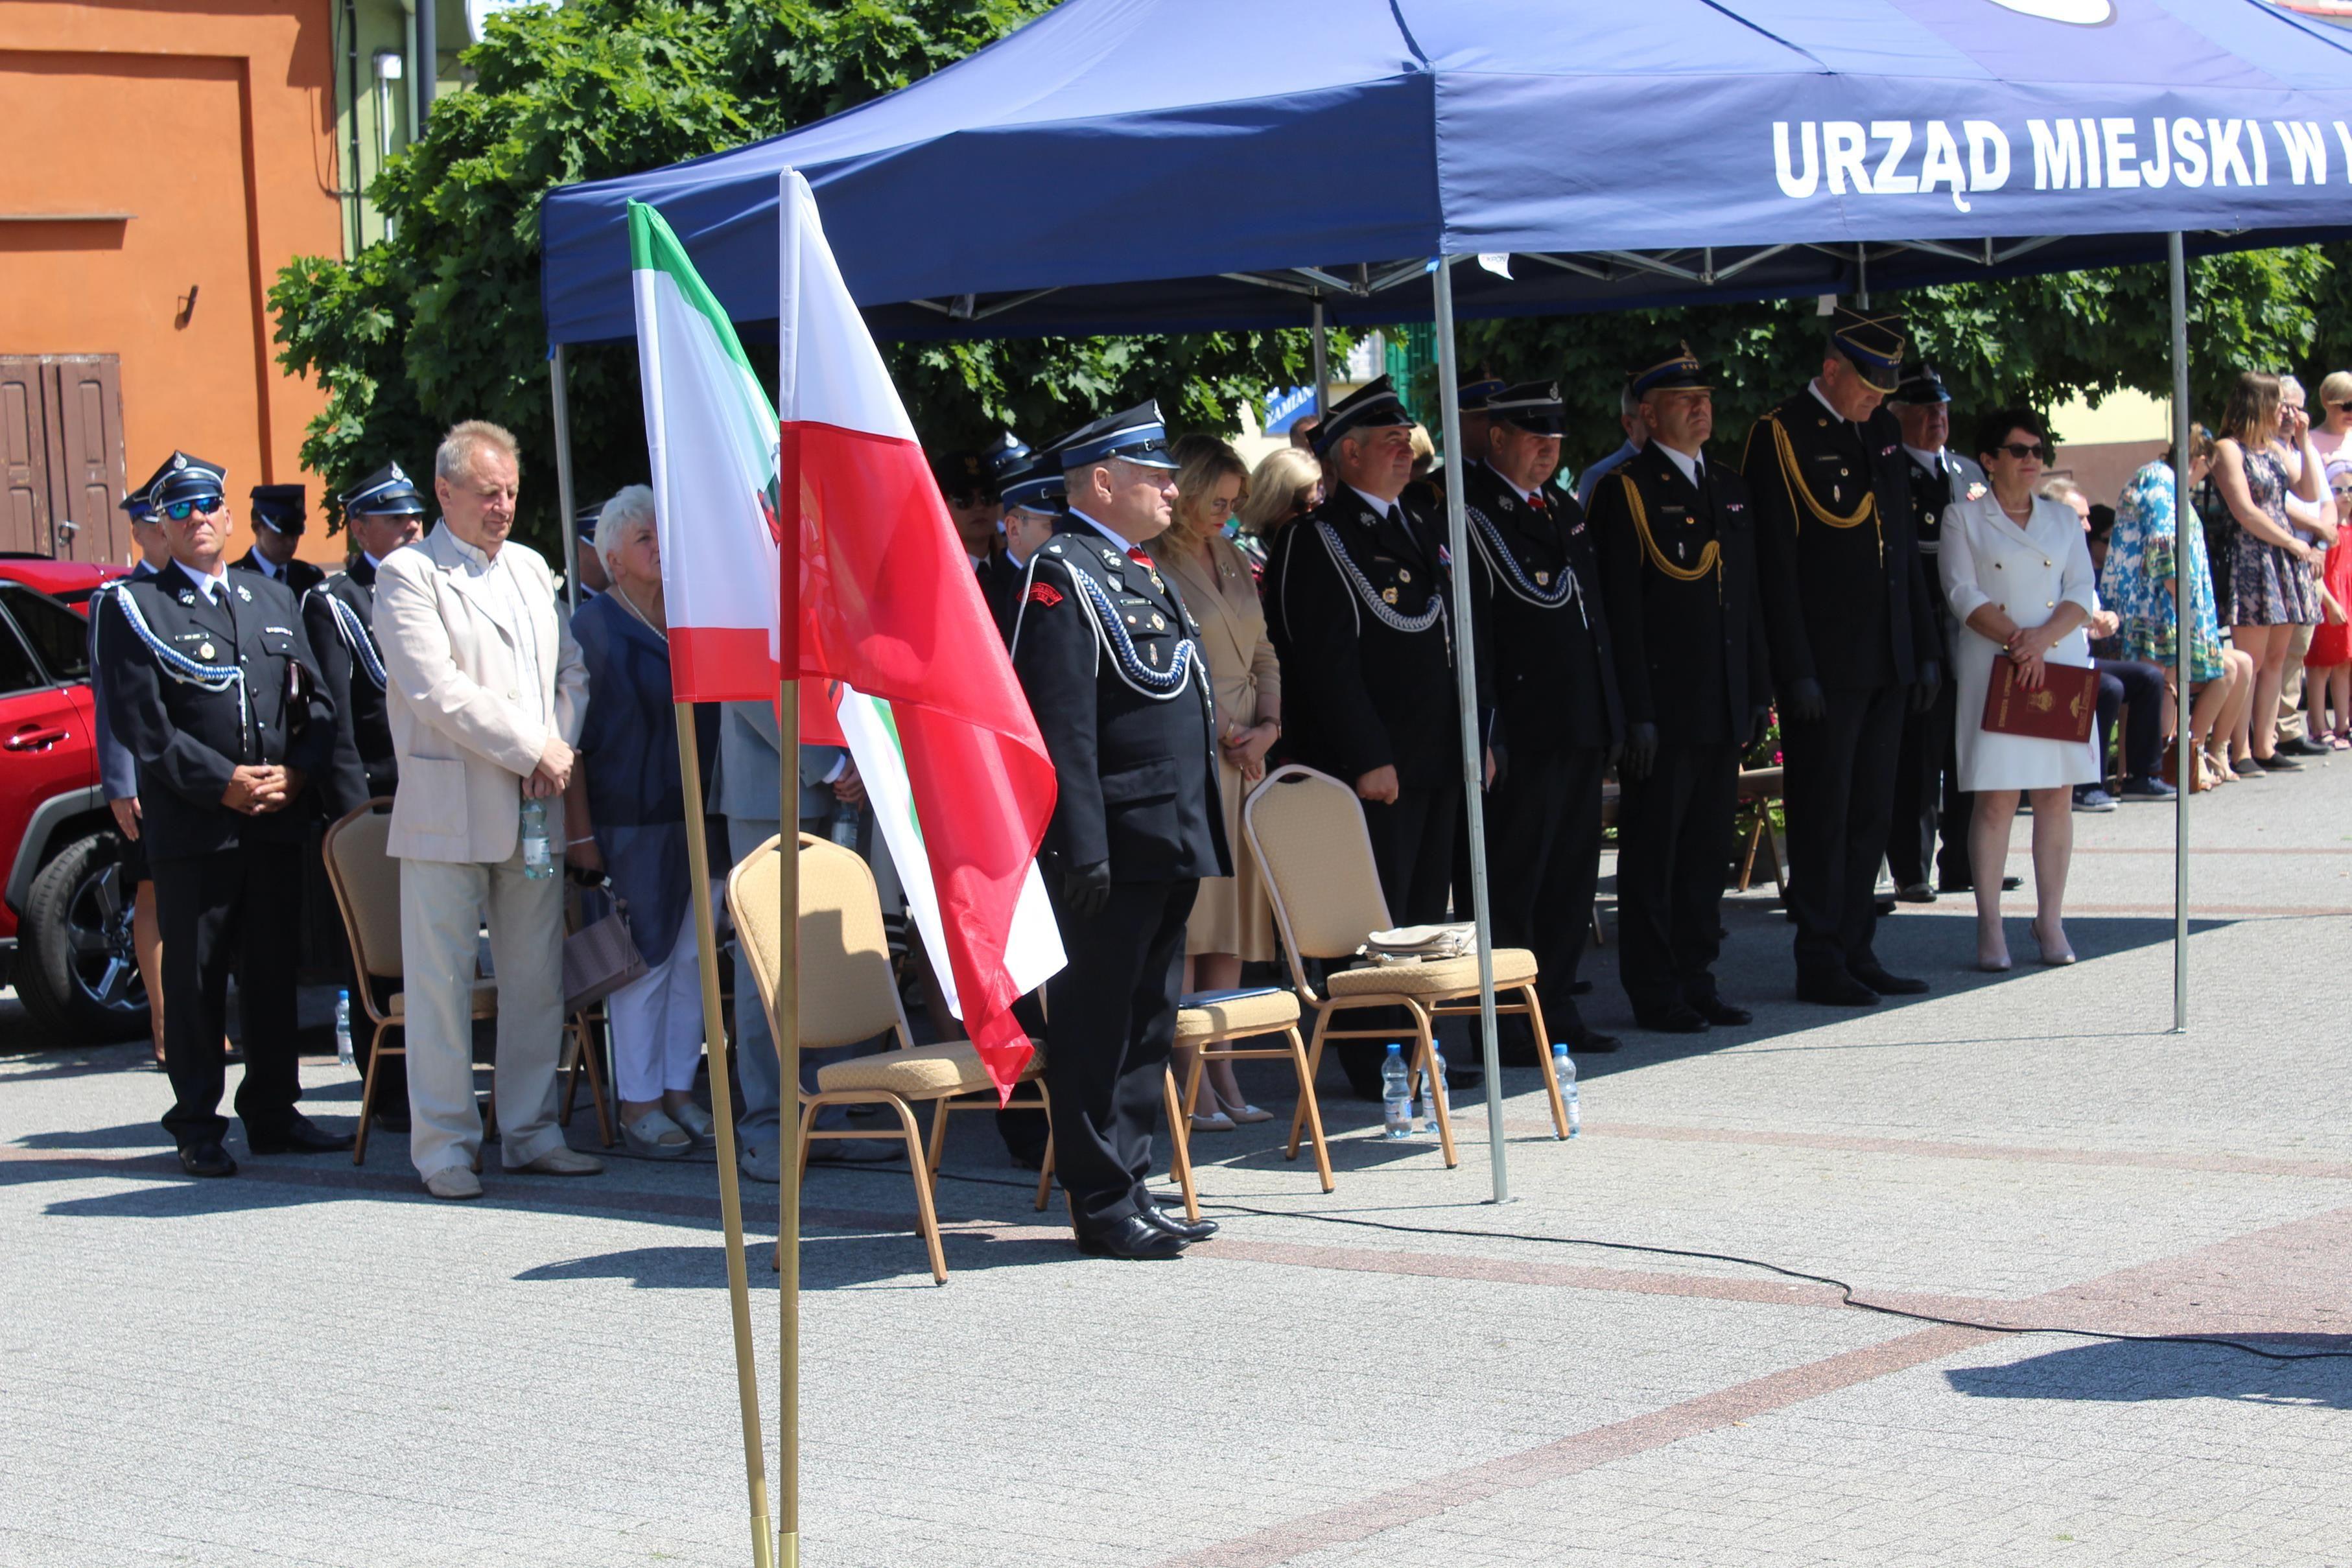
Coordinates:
(442, 321)
(2026, 340)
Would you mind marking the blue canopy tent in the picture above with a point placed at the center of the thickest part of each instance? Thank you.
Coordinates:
(1179, 166)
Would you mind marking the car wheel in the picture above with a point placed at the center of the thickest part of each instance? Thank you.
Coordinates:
(76, 970)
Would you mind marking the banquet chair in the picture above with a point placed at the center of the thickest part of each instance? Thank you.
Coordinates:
(366, 881)
(847, 996)
(1308, 831)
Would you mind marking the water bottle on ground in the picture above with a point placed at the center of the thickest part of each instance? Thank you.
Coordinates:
(344, 1027)
(1563, 1072)
(1396, 1093)
(1428, 1102)
(537, 863)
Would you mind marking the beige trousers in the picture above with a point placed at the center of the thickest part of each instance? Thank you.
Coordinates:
(2290, 721)
(443, 906)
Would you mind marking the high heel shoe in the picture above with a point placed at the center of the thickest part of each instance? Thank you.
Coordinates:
(1243, 1113)
(1997, 965)
(1214, 1122)
(2057, 957)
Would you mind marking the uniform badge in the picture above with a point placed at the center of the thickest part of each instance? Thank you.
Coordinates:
(1152, 653)
(1157, 623)
(1366, 517)
(1131, 621)
(1044, 593)
(1157, 584)
(1388, 596)
(187, 598)
(1403, 575)
(245, 593)
(204, 651)
(1543, 579)
(1509, 505)
(1976, 492)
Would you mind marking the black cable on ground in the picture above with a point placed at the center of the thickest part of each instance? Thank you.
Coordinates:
(1846, 1292)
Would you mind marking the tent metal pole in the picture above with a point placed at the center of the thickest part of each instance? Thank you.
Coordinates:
(561, 407)
(2184, 622)
(1465, 678)
(1322, 357)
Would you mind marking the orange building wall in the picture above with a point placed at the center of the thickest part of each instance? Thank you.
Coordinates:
(212, 123)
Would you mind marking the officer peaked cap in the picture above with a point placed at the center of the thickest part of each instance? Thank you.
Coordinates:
(1923, 385)
(1036, 484)
(185, 478)
(1139, 435)
(1006, 456)
(1373, 405)
(387, 492)
(1873, 343)
(963, 471)
(1678, 371)
(1533, 406)
(280, 508)
(1478, 391)
(134, 505)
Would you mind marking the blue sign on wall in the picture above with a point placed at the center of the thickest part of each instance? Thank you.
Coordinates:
(1283, 408)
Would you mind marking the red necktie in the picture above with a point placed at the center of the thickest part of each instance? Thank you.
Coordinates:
(1135, 553)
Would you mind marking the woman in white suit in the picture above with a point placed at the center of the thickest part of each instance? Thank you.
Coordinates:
(2017, 571)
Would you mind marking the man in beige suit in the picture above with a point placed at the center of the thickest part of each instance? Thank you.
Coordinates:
(486, 698)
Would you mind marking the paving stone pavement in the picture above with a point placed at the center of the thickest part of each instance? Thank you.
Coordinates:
(314, 1363)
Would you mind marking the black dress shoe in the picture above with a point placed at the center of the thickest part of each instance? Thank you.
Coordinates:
(1132, 1236)
(1177, 1226)
(2299, 746)
(1583, 1041)
(298, 1134)
(1679, 1019)
(206, 1158)
(1887, 984)
(1580, 989)
(1835, 991)
(1715, 1010)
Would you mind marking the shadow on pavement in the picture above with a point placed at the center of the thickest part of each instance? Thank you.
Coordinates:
(2133, 1371)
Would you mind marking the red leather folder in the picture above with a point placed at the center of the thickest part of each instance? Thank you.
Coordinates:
(2061, 708)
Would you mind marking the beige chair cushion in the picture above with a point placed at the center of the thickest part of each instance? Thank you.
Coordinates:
(923, 1073)
(367, 881)
(1513, 967)
(847, 994)
(485, 1000)
(1239, 1016)
(1307, 829)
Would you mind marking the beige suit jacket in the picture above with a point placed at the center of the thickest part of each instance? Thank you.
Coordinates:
(462, 733)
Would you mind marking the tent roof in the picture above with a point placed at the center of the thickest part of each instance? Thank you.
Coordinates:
(1173, 165)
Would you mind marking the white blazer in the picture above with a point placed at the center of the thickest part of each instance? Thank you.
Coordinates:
(463, 737)
(2028, 571)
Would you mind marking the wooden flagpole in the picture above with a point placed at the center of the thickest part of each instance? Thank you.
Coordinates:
(788, 1156)
(723, 1107)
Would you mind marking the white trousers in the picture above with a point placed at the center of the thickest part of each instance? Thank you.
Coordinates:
(442, 906)
(657, 1023)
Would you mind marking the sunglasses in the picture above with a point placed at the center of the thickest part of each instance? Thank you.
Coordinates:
(178, 511)
(2021, 450)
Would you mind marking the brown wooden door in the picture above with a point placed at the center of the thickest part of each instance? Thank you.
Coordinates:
(87, 479)
(24, 456)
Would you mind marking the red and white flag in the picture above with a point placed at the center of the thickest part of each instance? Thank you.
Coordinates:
(878, 594)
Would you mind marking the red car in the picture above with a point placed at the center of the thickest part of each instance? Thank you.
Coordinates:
(65, 922)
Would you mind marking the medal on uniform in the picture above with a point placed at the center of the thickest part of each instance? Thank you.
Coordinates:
(1388, 596)
(1543, 579)
(1403, 575)
(1159, 585)
(204, 651)
(1157, 624)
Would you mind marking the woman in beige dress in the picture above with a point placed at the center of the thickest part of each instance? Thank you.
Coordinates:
(1232, 923)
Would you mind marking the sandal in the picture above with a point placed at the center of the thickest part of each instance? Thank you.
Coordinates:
(696, 1123)
(654, 1136)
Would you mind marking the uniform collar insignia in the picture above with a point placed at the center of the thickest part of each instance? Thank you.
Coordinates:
(245, 593)
(1366, 517)
(188, 598)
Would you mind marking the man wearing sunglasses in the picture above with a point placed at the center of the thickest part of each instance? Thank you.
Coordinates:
(278, 527)
(211, 685)
(1852, 630)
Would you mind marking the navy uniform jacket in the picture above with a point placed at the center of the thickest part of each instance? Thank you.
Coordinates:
(117, 770)
(1357, 607)
(1537, 589)
(1844, 605)
(339, 617)
(300, 575)
(1001, 583)
(1126, 710)
(1691, 652)
(1930, 493)
(225, 692)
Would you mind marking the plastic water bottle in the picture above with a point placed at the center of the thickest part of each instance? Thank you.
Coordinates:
(842, 828)
(1396, 1093)
(344, 1027)
(537, 863)
(1563, 1072)
(1428, 1102)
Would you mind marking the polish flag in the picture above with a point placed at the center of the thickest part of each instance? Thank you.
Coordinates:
(879, 595)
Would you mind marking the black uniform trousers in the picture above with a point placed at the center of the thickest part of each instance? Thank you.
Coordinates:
(236, 907)
(1412, 850)
(1839, 789)
(1543, 855)
(1928, 797)
(2139, 685)
(1112, 1013)
(1673, 848)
